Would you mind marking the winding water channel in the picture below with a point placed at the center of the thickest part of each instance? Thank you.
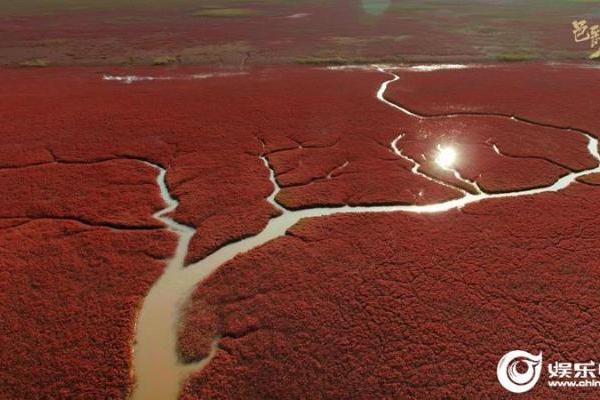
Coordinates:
(158, 371)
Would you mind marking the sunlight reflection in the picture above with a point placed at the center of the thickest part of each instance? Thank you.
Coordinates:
(446, 157)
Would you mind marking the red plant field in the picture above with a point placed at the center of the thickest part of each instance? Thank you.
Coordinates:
(404, 306)
(356, 306)
(555, 94)
(498, 153)
(413, 306)
(69, 295)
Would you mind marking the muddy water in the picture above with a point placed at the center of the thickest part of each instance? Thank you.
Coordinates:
(156, 321)
(157, 369)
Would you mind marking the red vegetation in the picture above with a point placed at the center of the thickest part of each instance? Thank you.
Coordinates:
(592, 179)
(77, 224)
(400, 305)
(324, 132)
(69, 295)
(211, 148)
(117, 193)
(525, 155)
(15, 155)
(79, 249)
(560, 95)
(333, 145)
(211, 155)
(529, 154)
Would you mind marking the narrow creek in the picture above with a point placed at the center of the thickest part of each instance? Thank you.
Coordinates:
(158, 371)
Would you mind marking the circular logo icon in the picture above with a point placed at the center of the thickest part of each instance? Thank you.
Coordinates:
(518, 371)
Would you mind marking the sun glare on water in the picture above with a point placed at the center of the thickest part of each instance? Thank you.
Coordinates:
(446, 157)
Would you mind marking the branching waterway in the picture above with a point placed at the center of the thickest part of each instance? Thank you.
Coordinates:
(158, 371)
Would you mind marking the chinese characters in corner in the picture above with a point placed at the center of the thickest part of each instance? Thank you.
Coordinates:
(584, 33)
